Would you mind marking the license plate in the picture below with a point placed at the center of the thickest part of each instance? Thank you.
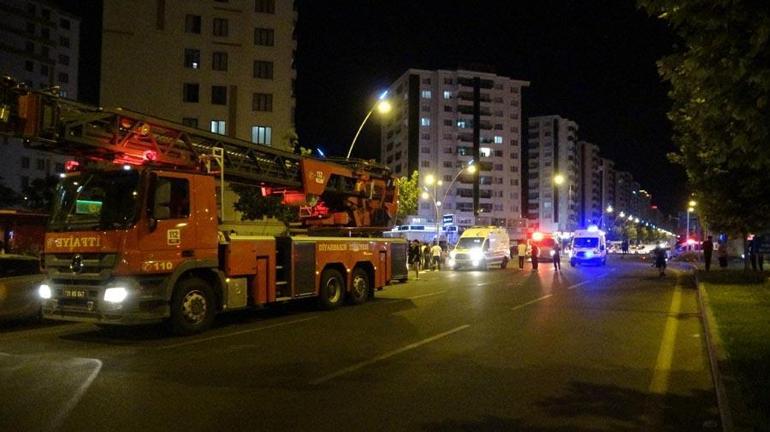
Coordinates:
(75, 293)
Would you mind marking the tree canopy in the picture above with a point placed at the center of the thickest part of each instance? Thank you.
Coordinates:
(720, 89)
(408, 195)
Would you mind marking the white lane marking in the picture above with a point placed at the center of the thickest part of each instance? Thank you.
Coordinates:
(531, 302)
(63, 328)
(387, 355)
(426, 295)
(197, 341)
(73, 401)
(589, 280)
(660, 377)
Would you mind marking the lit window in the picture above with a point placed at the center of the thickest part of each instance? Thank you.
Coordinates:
(424, 121)
(461, 124)
(192, 58)
(218, 127)
(485, 151)
(447, 94)
(425, 94)
(498, 139)
(262, 135)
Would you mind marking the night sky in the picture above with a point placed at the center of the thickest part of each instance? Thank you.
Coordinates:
(589, 61)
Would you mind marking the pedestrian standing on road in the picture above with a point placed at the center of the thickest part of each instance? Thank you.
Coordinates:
(708, 250)
(624, 248)
(425, 256)
(522, 253)
(534, 252)
(436, 253)
(556, 257)
(414, 257)
(660, 260)
(752, 249)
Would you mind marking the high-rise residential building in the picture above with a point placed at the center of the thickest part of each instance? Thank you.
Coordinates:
(39, 48)
(223, 66)
(553, 155)
(590, 184)
(444, 119)
(608, 187)
(624, 185)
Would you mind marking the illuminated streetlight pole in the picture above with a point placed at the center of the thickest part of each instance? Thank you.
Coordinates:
(382, 106)
(430, 180)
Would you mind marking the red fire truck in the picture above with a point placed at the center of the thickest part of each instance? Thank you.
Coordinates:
(136, 233)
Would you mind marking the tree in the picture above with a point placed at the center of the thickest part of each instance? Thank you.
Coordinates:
(253, 205)
(39, 194)
(8, 197)
(720, 89)
(408, 195)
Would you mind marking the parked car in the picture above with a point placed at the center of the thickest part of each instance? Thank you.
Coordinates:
(20, 277)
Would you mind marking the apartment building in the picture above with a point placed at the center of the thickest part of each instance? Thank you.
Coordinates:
(226, 66)
(443, 120)
(38, 47)
(608, 191)
(591, 210)
(554, 178)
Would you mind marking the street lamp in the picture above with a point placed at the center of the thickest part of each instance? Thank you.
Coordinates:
(622, 214)
(690, 209)
(558, 179)
(382, 106)
(430, 180)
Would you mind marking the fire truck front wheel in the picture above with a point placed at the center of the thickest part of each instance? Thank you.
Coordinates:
(359, 289)
(332, 288)
(192, 307)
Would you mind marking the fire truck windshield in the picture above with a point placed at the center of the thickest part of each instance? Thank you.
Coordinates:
(95, 200)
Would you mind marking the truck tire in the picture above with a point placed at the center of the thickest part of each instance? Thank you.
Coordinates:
(359, 287)
(332, 289)
(192, 307)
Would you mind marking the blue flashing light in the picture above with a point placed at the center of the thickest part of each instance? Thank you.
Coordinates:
(320, 152)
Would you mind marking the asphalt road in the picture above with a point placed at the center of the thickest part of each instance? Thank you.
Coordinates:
(592, 348)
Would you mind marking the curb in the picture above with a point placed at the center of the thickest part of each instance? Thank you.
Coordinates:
(723, 405)
(729, 400)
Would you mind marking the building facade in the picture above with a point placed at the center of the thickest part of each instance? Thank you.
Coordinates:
(608, 186)
(444, 120)
(223, 66)
(590, 184)
(38, 47)
(552, 152)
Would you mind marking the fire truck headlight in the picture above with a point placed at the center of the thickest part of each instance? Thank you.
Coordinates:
(115, 295)
(44, 291)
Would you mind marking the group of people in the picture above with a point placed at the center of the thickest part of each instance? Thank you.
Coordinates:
(425, 256)
(532, 250)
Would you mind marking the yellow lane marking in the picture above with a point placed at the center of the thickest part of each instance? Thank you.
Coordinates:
(387, 355)
(660, 377)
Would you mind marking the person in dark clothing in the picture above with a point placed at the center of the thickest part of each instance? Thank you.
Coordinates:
(624, 247)
(708, 250)
(415, 256)
(752, 249)
(556, 257)
(660, 260)
(535, 251)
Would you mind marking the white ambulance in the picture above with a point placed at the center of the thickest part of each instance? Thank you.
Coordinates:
(588, 246)
(481, 248)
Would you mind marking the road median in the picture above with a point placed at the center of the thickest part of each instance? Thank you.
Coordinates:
(735, 306)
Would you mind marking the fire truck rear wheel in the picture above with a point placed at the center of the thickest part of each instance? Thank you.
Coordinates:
(332, 289)
(192, 307)
(359, 287)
